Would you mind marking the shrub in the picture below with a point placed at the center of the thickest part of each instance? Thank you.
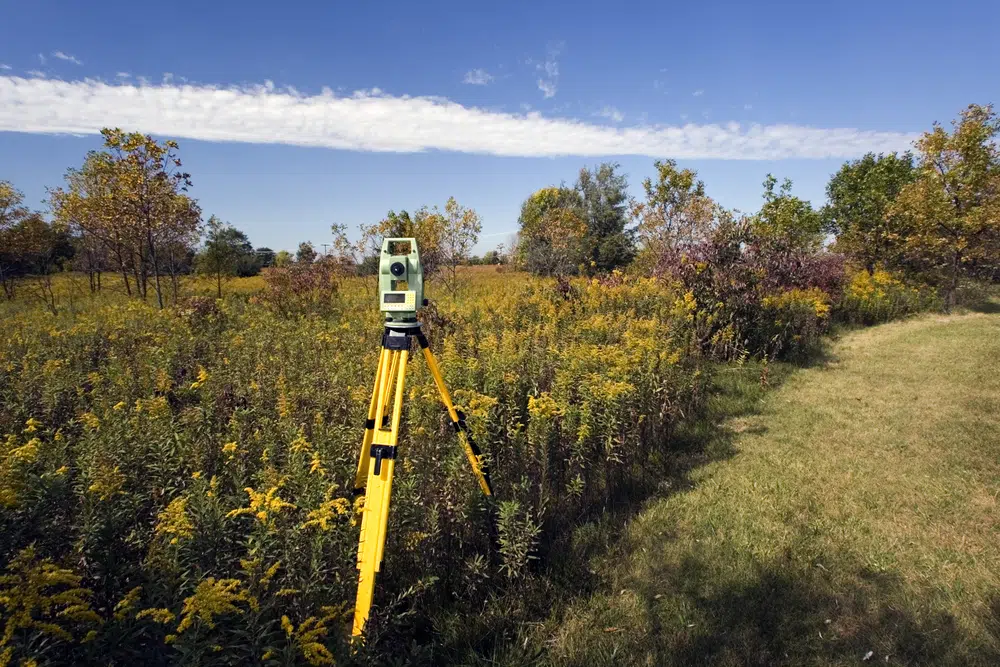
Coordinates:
(871, 298)
(754, 293)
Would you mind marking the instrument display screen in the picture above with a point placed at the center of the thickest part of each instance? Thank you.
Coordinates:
(389, 297)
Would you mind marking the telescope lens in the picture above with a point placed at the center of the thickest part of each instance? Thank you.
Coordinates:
(397, 269)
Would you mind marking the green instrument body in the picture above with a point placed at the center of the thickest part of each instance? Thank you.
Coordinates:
(400, 281)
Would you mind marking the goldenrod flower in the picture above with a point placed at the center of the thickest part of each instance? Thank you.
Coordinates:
(173, 521)
(212, 598)
(263, 505)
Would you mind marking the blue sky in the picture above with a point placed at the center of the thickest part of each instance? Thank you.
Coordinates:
(295, 115)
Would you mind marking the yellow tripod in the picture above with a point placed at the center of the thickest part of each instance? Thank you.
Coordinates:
(378, 453)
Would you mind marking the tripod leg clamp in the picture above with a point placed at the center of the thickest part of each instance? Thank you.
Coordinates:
(382, 453)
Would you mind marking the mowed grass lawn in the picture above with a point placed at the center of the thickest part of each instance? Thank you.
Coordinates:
(852, 519)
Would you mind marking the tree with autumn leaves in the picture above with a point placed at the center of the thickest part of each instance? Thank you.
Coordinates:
(935, 216)
(127, 206)
(949, 215)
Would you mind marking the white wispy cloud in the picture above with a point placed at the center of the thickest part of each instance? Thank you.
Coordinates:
(375, 121)
(41, 58)
(122, 75)
(4, 66)
(698, 93)
(548, 82)
(548, 88)
(477, 77)
(747, 107)
(37, 73)
(65, 56)
(612, 114)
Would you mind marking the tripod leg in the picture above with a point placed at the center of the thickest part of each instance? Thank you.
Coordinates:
(375, 515)
(362, 473)
(458, 421)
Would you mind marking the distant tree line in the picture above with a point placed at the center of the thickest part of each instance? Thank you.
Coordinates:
(933, 215)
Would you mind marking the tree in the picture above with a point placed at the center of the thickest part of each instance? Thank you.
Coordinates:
(458, 236)
(604, 196)
(43, 247)
(859, 197)
(951, 211)
(283, 258)
(306, 253)
(12, 213)
(147, 180)
(129, 199)
(676, 213)
(226, 250)
(425, 225)
(266, 257)
(29, 246)
(180, 233)
(785, 216)
(546, 216)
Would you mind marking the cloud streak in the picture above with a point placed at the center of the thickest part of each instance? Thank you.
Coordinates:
(477, 77)
(548, 83)
(376, 122)
(612, 114)
(65, 56)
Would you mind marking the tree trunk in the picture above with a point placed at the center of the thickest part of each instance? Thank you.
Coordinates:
(156, 268)
(953, 283)
(173, 275)
(218, 278)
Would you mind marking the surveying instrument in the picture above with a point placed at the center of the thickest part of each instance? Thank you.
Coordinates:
(401, 292)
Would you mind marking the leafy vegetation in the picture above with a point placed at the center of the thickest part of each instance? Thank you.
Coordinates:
(176, 456)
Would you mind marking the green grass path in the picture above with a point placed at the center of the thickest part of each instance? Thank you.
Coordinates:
(856, 512)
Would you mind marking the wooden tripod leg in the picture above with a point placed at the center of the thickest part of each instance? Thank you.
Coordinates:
(375, 514)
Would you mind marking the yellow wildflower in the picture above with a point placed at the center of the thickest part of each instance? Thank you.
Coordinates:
(90, 420)
(26, 453)
(163, 616)
(196, 474)
(212, 598)
(125, 605)
(271, 571)
(119, 405)
(31, 425)
(263, 505)
(317, 465)
(163, 382)
(173, 521)
(108, 482)
(38, 595)
(229, 448)
(326, 512)
(287, 626)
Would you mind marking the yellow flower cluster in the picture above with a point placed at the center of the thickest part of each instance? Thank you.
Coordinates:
(174, 523)
(213, 598)
(264, 505)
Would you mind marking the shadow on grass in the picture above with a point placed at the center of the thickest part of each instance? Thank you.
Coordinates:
(497, 632)
(986, 307)
(794, 615)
